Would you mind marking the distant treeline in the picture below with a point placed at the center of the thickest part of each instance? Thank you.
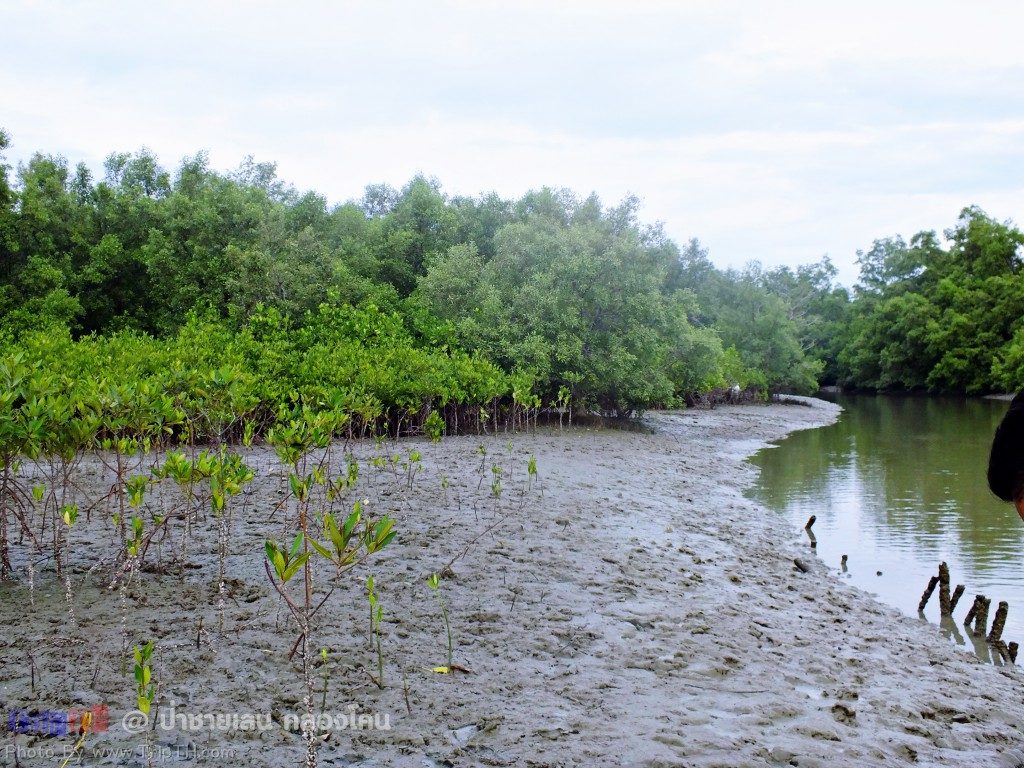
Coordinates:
(549, 298)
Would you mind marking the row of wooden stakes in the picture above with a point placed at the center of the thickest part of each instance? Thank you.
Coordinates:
(978, 615)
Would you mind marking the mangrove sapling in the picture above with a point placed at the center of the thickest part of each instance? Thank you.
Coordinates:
(227, 479)
(327, 677)
(286, 563)
(496, 473)
(563, 405)
(413, 467)
(69, 516)
(20, 435)
(482, 452)
(65, 447)
(531, 473)
(179, 468)
(121, 424)
(293, 440)
(433, 427)
(434, 582)
(145, 688)
(344, 483)
(345, 547)
(376, 616)
(132, 547)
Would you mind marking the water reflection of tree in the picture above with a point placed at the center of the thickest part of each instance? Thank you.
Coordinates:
(918, 464)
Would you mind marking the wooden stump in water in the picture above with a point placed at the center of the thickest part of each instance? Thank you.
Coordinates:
(999, 622)
(1012, 648)
(810, 533)
(928, 592)
(955, 598)
(974, 610)
(944, 609)
(1002, 650)
(981, 617)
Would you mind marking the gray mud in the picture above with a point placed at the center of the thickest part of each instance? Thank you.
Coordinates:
(634, 609)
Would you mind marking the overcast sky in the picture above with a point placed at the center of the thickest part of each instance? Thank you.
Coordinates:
(773, 131)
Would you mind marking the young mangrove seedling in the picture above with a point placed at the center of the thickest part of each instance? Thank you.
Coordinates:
(413, 467)
(69, 513)
(496, 473)
(482, 452)
(531, 473)
(434, 582)
(376, 616)
(145, 688)
(433, 427)
(327, 677)
(563, 405)
(134, 545)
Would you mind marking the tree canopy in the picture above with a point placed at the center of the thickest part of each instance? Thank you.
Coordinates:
(565, 295)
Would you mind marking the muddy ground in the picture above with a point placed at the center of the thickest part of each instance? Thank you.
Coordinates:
(630, 608)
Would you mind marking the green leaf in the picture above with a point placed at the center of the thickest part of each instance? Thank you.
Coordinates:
(294, 567)
(324, 552)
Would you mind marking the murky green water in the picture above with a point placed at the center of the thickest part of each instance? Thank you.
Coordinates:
(898, 484)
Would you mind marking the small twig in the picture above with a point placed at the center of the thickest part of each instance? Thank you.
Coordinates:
(405, 690)
(475, 539)
(723, 690)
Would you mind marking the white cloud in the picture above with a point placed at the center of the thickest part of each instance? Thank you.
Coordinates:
(771, 131)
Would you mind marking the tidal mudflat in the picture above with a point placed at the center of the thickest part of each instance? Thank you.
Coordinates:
(628, 606)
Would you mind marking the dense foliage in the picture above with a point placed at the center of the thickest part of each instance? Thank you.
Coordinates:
(400, 303)
(947, 318)
(407, 301)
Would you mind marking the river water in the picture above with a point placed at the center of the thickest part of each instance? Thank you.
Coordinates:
(898, 485)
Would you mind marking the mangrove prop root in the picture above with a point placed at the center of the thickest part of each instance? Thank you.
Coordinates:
(981, 619)
(974, 610)
(1012, 650)
(928, 592)
(804, 567)
(999, 622)
(944, 607)
(810, 522)
(955, 598)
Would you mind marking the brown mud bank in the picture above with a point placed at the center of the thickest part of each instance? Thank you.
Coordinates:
(631, 608)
